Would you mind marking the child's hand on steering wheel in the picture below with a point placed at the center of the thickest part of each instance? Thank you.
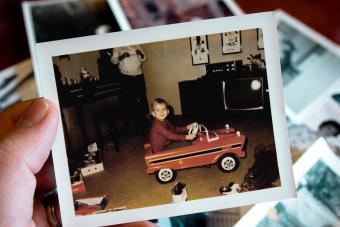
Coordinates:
(189, 126)
(190, 136)
(193, 128)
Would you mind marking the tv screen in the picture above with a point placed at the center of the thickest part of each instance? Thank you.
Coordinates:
(243, 93)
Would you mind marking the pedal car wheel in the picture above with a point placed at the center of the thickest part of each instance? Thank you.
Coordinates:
(165, 175)
(228, 163)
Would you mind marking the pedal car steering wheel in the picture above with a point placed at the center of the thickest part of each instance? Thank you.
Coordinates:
(193, 129)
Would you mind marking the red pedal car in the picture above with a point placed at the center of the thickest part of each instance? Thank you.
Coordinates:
(221, 146)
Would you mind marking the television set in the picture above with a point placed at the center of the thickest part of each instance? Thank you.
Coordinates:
(243, 93)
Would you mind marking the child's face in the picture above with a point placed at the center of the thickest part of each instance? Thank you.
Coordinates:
(160, 111)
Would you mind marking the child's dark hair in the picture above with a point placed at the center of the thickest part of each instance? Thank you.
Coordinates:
(159, 101)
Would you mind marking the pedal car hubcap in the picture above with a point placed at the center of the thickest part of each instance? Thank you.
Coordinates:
(228, 163)
(165, 174)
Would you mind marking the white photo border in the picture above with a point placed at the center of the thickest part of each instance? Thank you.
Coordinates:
(47, 89)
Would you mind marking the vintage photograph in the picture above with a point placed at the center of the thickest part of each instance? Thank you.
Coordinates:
(145, 13)
(318, 180)
(71, 18)
(143, 127)
(328, 109)
(305, 58)
(130, 125)
(318, 193)
(56, 20)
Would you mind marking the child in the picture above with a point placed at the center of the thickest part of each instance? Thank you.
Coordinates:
(162, 131)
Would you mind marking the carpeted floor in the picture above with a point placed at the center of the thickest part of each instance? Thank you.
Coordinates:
(126, 182)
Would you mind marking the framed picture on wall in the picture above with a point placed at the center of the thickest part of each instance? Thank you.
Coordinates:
(231, 42)
(259, 39)
(199, 50)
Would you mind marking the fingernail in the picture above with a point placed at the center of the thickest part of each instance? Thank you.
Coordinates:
(35, 113)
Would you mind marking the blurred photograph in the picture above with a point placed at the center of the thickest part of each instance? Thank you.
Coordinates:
(147, 13)
(306, 59)
(71, 19)
(17, 84)
(318, 180)
(56, 20)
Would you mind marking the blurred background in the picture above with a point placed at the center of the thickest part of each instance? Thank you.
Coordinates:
(324, 17)
(321, 16)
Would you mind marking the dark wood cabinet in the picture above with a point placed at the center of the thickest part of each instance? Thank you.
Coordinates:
(90, 111)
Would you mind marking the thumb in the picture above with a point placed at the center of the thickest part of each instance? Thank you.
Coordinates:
(31, 139)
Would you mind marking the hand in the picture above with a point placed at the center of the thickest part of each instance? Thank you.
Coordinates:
(26, 134)
(190, 136)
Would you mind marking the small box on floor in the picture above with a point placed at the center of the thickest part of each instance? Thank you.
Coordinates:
(91, 169)
(92, 161)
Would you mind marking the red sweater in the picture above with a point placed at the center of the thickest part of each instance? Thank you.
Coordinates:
(162, 132)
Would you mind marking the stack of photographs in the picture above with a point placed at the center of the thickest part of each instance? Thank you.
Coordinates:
(311, 84)
(91, 92)
(306, 56)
